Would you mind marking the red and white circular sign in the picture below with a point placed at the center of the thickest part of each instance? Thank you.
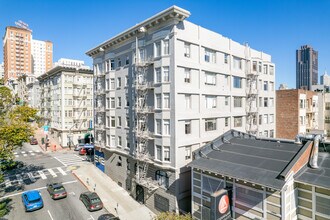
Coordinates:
(223, 204)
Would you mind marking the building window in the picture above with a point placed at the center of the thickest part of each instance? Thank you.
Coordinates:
(302, 103)
(265, 102)
(210, 124)
(187, 50)
(238, 122)
(226, 57)
(166, 47)
(158, 126)
(302, 120)
(107, 84)
(113, 141)
(158, 101)
(127, 122)
(209, 56)
(108, 121)
(265, 119)
(127, 60)
(271, 70)
(119, 62)
(210, 101)
(107, 65)
(157, 49)
(187, 99)
(119, 141)
(166, 74)
(187, 127)
(112, 102)
(265, 86)
(327, 106)
(187, 75)
(249, 198)
(112, 64)
(127, 101)
(210, 78)
(112, 84)
(260, 119)
(322, 205)
(266, 133)
(119, 121)
(237, 63)
(226, 122)
(158, 75)
(237, 82)
(162, 178)
(271, 133)
(167, 154)
(113, 122)
(118, 102)
(271, 119)
(265, 69)
(188, 152)
(167, 127)
(238, 102)
(158, 152)
(161, 203)
(108, 103)
(118, 82)
(226, 100)
(166, 100)
(254, 66)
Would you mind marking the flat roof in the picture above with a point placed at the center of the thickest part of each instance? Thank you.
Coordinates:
(317, 177)
(245, 157)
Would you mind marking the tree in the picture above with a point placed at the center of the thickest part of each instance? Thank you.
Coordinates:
(23, 113)
(172, 216)
(6, 98)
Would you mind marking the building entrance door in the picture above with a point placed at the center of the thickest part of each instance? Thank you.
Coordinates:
(139, 194)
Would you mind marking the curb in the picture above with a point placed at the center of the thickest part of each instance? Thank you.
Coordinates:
(80, 180)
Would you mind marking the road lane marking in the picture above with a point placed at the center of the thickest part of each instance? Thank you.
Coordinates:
(16, 156)
(37, 151)
(15, 153)
(52, 173)
(19, 193)
(50, 215)
(31, 177)
(30, 151)
(24, 155)
(42, 175)
(23, 152)
(62, 171)
(19, 179)
(33, 154)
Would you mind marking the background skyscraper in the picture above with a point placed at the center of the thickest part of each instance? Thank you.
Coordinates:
(306, 67)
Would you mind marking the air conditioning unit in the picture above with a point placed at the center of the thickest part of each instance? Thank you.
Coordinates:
(187, 55)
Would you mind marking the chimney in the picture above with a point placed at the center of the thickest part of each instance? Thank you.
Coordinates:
(315, 152)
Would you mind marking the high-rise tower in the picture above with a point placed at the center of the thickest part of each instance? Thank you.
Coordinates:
(306, 67)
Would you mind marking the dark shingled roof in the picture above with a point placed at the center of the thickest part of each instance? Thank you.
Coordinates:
(317, 177)
(241, 156)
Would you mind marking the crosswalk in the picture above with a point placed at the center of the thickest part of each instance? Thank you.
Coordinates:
(33, 176)
(27, 153)
(69, 159)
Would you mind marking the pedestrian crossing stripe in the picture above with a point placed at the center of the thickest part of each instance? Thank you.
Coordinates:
(61, 171)
(52, 172)
(42, 175)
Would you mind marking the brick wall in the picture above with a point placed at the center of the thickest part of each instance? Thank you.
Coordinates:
(287, 113)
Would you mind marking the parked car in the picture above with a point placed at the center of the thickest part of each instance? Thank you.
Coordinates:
(82, 151)
(79, 146)
(56, 190)
(91, 200)
(33, 141)
(107, 217)
(32, 200)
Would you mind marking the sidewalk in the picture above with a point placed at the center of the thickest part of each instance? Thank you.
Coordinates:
(115, 199)
(39, 134)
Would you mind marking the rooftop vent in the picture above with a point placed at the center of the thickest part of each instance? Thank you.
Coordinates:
(315, 152)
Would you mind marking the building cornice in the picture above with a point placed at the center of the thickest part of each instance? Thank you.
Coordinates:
(173, 12)
(59, 69)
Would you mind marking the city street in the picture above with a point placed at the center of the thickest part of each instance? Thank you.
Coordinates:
(39, 169)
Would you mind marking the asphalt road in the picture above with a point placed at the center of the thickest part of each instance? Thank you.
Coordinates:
(41, 168)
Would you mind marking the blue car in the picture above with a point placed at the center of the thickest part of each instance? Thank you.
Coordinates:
(32, 200)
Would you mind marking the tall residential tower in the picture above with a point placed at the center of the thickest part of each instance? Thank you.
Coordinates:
(306, 67)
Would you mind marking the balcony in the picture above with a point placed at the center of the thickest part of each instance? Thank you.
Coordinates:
(144, 110)
(251, 109)
(79, 82)
(144, 62)
(145, 85)
(100, 91)
(251, 91)
(101, 74)
(99, 126)
(100, 108)
(144, 134)
(251, 128)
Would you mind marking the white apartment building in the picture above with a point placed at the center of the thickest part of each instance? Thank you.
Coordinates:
(164, 88)
(66, 102)
(41, 52)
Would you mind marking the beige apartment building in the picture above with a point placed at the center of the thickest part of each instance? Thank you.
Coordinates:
(66, 102)
(24, 56)
(164, 88)
(296, 112)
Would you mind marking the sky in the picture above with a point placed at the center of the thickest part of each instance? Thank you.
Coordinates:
(276, 27)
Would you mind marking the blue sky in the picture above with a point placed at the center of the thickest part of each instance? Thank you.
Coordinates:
(273, 26)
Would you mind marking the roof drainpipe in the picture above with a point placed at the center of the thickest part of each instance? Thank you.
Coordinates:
(315, 152)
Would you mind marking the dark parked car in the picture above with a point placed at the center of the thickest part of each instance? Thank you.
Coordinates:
(91, 200)
(107, 217)
(56, 190)
(34, 141)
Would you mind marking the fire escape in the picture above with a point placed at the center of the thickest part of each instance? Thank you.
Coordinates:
(142, 87)
(251, 93)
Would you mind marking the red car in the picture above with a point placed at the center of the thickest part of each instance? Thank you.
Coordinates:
(34, 141)
(82, 151)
